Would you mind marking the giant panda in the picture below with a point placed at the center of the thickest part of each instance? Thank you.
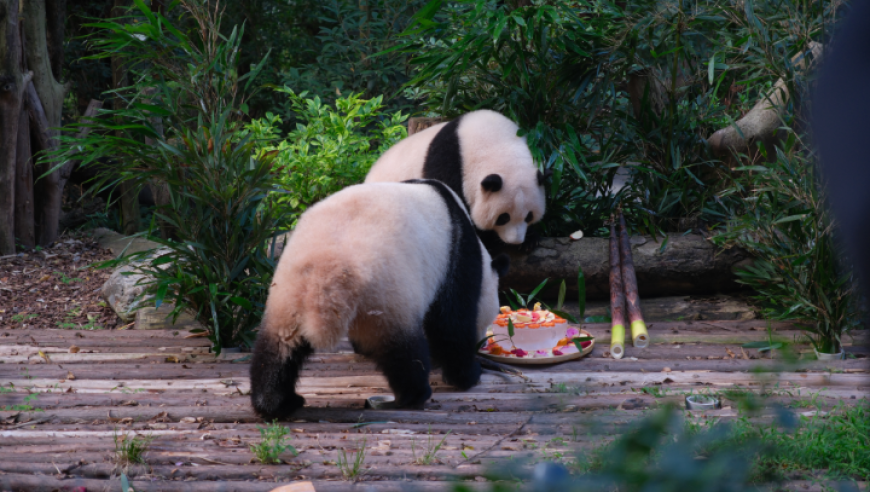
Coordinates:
(398, 268)
(481, 158)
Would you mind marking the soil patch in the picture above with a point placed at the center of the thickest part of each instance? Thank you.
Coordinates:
(56, 287)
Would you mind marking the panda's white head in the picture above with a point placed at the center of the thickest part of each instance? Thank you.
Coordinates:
(502, 184)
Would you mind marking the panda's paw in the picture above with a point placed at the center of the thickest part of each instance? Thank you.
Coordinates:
(533, 239)
(280, 410)
(463, 379)
(406, 405)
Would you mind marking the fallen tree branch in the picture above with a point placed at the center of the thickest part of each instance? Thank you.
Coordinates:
(765, 117)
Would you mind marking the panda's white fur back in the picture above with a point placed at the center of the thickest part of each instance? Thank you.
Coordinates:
(339, 263)
(404, 160)
(399, 269)
(488, 145)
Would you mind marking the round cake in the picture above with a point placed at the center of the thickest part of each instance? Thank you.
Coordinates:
(538, 333)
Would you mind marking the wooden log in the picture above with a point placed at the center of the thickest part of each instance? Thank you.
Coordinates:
(855, 339)
(376, 384)
(762, 121)
(686, 308)
(617, 298)
(682, 357)
(50, 483)
(686, 265)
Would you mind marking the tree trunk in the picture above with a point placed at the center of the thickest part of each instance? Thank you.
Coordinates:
(687, 265)
(24, 218)
(48, 189)
(54, 30)
(129, 196)
(12, 83)
(50, 93)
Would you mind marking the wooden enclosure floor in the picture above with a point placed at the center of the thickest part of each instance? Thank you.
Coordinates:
(86, 387)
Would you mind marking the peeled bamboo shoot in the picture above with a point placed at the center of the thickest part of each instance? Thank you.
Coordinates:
(617, 298)
(639, 335)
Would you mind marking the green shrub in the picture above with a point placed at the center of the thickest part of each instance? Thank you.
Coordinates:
(538, 65)
(798, 273)
(597, 85)
(330, 149)
(341, 58)
(216, 214)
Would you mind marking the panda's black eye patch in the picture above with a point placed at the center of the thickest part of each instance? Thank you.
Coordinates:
(529, 217)
(492, 183)
(503, 219)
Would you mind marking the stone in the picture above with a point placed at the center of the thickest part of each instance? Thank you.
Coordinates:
(124, 287)
(116, 243)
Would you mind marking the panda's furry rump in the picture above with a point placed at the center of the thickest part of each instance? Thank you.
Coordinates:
(372, 262)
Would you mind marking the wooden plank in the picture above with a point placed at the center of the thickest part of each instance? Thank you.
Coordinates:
(51, 483)
(105, 334)
(721, 362)
(316, 384)
(710, 327)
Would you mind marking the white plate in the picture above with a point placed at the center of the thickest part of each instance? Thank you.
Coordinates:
(538, 337)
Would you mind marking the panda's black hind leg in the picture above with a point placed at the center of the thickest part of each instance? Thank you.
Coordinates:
(273, 378)
(405, 364)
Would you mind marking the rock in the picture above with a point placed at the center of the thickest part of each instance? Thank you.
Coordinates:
(117, 243)
(125, 285)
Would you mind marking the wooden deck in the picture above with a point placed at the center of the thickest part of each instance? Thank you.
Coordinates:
(164, 383)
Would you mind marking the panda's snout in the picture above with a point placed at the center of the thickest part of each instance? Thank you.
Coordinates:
(514, 234)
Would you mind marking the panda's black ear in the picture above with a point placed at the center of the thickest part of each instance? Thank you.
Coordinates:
(491, 183)
(543, 176)
(501, 264)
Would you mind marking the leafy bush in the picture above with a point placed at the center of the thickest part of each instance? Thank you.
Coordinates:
(597, 85)
(788, 227)
(330, 149)
(181, 140)
(538, 66)
(659, 452)
(341, 60)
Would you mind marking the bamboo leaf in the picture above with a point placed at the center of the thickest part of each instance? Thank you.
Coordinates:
(563, 289)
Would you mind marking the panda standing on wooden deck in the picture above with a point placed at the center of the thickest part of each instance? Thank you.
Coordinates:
(399, 269)
(481, 158)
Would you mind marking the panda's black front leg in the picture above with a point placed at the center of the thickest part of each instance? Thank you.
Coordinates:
(405, 363)
(491, 241)
(453, 349)
(533, 238)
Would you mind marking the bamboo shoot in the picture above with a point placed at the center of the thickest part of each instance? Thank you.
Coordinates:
(617, 298)
(639, 335)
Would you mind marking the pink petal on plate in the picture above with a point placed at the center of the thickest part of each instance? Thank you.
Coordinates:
(557, 352)
(572, 332)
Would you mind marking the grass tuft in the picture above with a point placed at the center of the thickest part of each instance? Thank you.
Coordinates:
(432, 447)
(130, 449)
(272, 443)
(352, 470)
